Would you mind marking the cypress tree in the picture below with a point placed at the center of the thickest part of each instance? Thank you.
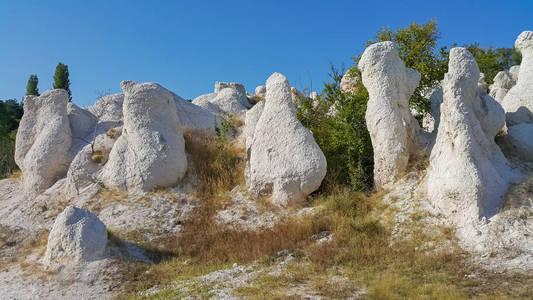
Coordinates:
(61, 80)
(31, 87)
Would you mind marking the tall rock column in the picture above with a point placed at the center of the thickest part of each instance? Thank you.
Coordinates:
(43, 141)
(150, 153)
(283, 158)
(393, 130)
(468, 175)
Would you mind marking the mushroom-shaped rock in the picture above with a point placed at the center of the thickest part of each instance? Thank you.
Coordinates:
(284, 159)
(194, 117)
(468, 175)
(77, 237)
(150, 153)
(393, 130)
(518, 102)
(43, 141)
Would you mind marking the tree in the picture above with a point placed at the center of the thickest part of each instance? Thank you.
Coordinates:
(31, 87)
(491, 61)
(417, 47)
(10, 114)
(61, 80)
(342, 135)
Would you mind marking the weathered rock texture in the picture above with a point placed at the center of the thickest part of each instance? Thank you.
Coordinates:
(284, 159)
(520, 137)
(150, 152)
(468, 175)
(518, 102)
(77, 237)
(194, 117)
(393, 130)
(503, 82)
(252, 117)
(261, 91)
(43, 141)
(228, 98)
(349, 82)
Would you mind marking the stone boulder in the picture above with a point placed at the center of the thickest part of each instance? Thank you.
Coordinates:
(82, 122)
(150, 153)
(518, 102)
(77, 237)
(503, 82)
(43, 141)
(194, 117)
(520, 137)
(393, 130)
(283, 157)
(108, 108)
(261, 91)
(229, 98)
(349, 82)
(468, 175)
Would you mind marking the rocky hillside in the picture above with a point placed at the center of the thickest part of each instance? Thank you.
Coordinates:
(146, 195)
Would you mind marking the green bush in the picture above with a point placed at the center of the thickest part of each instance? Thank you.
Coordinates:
(342, 136)
(10, 114)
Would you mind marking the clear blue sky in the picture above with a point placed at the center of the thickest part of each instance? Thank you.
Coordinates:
(188, 45)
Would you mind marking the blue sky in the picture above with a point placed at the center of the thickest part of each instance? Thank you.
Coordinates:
(188, 45)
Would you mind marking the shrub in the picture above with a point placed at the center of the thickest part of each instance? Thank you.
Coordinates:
(342, 136)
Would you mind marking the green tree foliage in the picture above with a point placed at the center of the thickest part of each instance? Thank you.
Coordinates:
(417, 47)
(343, 136)
(491, 61)
(61, 80)
(31, 87)
(10, 114)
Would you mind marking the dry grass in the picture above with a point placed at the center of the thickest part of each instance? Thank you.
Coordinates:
(423, 263)
(113, 133)
(97, 156)
(16, 174)
(219, 165)
(24, 252)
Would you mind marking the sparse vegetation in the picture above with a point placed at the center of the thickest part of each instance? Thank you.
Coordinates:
(10, 115)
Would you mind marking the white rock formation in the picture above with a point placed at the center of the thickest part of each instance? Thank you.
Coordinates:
(468, 175)
(393, 130)
(252, 117)
(43, 141)
(349, 82)
(108, 108)
(228, 98)
(194, 117)
(482, 84)
(520, 137)
(518, 103)
(284, 159)
(150, 153)
(77, 237)
(261, 91)
(82, 122)
(503, 82)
